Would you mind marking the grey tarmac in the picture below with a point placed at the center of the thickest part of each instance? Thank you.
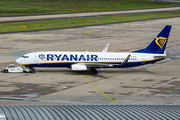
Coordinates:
(151, 84)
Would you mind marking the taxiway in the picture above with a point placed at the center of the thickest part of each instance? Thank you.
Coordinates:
(151, 84)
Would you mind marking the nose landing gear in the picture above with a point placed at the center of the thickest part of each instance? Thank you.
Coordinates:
(30, 70)
(33, 70)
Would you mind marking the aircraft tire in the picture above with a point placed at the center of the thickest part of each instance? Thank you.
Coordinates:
(33, 71)
(95, 72)
(6, 71)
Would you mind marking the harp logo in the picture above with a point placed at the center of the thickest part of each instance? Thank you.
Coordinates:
(41, 56)
(161, 41)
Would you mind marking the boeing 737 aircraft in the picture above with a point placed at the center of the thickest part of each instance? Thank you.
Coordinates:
(83, 61)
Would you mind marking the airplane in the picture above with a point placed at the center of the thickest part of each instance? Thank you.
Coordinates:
(84, 61)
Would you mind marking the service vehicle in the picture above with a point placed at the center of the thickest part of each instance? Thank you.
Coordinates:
(12, 69)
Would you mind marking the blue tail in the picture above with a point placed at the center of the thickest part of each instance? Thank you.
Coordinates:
(158, 45)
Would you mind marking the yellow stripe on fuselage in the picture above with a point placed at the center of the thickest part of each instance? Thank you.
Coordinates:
(79, 69)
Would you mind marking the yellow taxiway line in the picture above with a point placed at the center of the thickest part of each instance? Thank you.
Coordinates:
(99, 90)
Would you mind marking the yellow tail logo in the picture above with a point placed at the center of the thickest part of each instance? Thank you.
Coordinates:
(161, 41)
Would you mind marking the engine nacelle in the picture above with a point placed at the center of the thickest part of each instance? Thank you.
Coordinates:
(78, 68)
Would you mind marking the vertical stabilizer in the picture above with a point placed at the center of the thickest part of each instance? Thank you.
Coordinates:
(158, 45)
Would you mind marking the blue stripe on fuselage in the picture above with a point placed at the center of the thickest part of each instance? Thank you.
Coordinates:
(68, 64)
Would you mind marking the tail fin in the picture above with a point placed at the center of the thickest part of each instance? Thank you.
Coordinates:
(158, 45)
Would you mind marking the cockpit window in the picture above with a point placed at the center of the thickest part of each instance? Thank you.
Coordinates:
(25, 56)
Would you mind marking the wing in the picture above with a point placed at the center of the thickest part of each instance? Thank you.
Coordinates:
(105, 64)
(99, 65)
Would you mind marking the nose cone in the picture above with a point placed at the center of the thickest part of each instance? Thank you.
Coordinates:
(18, 61)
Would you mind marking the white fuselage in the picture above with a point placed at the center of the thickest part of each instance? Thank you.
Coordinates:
(97, 59)
(81, 61)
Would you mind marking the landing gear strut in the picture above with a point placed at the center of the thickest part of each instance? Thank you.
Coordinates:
(32, 70)
(94, 71)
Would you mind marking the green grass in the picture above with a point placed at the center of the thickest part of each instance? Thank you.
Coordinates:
(31, 7)
(48, 24)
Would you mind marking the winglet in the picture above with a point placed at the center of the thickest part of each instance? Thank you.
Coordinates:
(126, 60)
(105, 48)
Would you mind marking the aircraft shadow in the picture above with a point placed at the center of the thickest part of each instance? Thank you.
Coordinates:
(117, 70)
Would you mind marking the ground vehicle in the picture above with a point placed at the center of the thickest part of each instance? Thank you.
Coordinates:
(12, 69)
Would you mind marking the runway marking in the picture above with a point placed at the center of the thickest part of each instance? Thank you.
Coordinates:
(99, 89)
(29, 38)
(89, 31)
(5, 40)
(4, 52)
(39, 37)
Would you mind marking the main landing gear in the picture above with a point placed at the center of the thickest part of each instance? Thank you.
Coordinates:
(32, 70)
(94, 71)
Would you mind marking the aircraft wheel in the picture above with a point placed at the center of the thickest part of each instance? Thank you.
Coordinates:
(33, 71)
(95, 72)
